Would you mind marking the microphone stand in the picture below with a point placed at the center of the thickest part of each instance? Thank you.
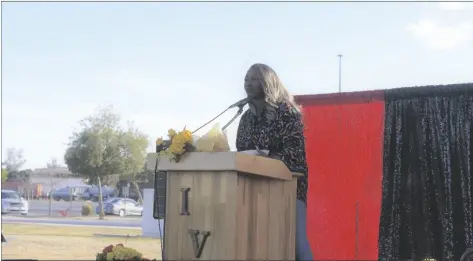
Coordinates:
(207, 123)
(240, 111)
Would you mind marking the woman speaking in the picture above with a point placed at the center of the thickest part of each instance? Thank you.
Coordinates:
(274, 123)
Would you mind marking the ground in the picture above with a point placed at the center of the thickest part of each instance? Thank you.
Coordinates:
(54, 242)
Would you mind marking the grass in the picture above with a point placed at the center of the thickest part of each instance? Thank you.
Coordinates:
(54, 242)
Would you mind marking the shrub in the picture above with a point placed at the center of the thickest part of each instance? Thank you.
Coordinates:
(120, 252)
(87, 209)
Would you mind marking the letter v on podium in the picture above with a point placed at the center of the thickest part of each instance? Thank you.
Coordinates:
(196, 243)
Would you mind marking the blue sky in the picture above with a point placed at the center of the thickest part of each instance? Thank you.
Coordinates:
(165, 65)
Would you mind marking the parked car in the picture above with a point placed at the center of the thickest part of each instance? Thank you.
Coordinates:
(65, 194)
(121, 207)
(12, 203)
(92, 193)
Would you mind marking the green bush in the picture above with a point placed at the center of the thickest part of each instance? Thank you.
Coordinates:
(87, 209)
(120, 252)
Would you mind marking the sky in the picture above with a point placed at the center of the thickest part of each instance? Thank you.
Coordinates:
(170, 65)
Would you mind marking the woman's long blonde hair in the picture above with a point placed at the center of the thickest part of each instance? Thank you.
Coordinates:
(274, 91)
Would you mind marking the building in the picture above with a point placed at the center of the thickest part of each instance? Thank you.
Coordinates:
(58, 177)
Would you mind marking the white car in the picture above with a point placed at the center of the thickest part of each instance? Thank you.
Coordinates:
(12, 203)
(121, 207)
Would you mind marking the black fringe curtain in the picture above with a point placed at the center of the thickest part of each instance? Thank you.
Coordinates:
(427, 200)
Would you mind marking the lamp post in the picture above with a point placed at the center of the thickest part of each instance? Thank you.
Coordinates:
(51, 199)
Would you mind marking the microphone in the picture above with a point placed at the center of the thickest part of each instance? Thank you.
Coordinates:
(240, 103)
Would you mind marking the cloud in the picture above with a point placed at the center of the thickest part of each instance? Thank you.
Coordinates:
(456, 6)
(442, 37)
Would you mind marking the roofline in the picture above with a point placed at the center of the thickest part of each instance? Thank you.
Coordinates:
(337, 98)
(381, 95)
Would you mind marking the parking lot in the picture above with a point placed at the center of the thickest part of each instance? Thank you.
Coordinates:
(41, 207)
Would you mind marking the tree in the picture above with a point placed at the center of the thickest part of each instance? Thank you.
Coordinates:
(23, 175)
(14, 160)
(134, 145)
(95, 151)
(13, 163)
(146, 175)
(4, 174)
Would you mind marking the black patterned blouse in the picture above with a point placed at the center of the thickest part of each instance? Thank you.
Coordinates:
(283, 137)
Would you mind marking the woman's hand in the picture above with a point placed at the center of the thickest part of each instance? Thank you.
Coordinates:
(267, 155)
(271, 156)
(274, 157)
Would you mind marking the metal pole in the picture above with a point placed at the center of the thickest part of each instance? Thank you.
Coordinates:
(340, 73)
(71, 190)
(51, 199)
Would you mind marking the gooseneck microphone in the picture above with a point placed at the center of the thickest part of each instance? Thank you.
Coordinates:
(241, 103)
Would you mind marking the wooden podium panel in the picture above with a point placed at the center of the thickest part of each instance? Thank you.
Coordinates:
(229, 206)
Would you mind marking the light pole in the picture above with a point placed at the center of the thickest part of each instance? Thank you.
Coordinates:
(51, 198)
(340, 73)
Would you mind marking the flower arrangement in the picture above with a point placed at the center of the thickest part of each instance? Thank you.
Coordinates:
(181, 142)
(178, 144)
(119, 253)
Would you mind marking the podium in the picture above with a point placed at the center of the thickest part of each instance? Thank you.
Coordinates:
(228, 206)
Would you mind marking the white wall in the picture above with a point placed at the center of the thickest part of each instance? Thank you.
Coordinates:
(149, 225)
